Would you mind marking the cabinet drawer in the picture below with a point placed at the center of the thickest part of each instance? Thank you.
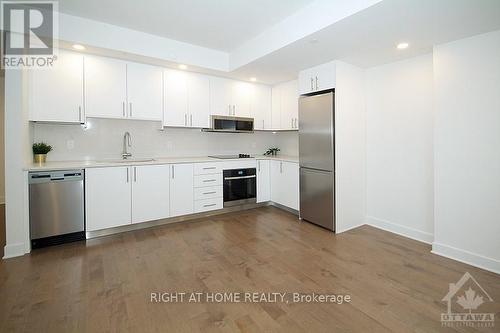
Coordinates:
(207, 168)
(208, 180)
(207, 205)
(211, 192)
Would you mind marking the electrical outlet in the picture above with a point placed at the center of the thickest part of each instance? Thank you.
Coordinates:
(70, 144)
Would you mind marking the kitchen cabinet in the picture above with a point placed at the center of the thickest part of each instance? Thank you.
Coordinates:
(187, 99)
(181, 189)
(150, 192)
(260, 107)
(144, 91)
(263, 181)
(108, 194)
(318, 78)
(56, 94)
(105, 87)
(285, 183)
(285, 106)
(120, 90)
(230, 97)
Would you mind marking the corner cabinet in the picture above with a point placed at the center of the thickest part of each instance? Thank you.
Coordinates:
(285, 183)
(57, 94)
(317, 78)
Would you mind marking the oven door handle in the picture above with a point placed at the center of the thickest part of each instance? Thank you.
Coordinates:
(241, 177)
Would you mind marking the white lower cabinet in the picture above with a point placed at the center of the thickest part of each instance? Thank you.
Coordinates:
(181, 189)
(285, 183)
(108, 196)
(263, 181)
(150, 192)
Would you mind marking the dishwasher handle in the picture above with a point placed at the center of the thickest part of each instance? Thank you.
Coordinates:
(55, 176)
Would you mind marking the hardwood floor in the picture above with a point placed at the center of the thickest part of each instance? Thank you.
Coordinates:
(395, 283)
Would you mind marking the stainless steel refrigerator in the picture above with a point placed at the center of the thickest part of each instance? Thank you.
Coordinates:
(317, 159)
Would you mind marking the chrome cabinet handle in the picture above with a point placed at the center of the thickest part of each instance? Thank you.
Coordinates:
(258, 164)
(209, 168)
(135, 174)
(230, 112)
(234, 110)
(312, 84)
(281, 167)
(191, 119)
(209, 205)
(123, 108)
(80, 113)
(130, 106)
(292, 122)
(127, 176)
(316, 83)
(209, 180)
(263, 127)
(213, 192)
(185, 119)
(173, 172)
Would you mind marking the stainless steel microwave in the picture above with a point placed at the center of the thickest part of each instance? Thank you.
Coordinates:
(230, 124)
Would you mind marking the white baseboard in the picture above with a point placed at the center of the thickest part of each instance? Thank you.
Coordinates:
(14, 250)
(466, 257)
(341, 230)
(401, 230)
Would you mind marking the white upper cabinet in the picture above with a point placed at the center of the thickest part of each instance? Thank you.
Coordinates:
(150, 192)
(175, 113)
(260, 107)
(57, 94)
(318, 78)
(198, 87)
(187, 99)
(221, 97)
(105, 87)
(285, 106)
(241, 97)
(117, 89)
(144, 92)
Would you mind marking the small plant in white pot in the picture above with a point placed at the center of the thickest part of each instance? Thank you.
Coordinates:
(40, 151)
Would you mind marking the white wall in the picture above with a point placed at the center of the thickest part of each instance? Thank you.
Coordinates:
(104, 139)
(350, 147)
(400, 148)
(467, 150)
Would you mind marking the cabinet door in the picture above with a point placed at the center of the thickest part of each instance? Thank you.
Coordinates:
(325, 76)
(57, 94)
(276, 107)
(107, 196)
(289, 105)
(290, 174)
(263, 181)
(241, 96)
(150, 192)
(105, 87)
(306, 81)
(176, 99)
(144, 91)
(277, 188)
(220, 96)
(261, 107)
(198, 100)
(181, 189)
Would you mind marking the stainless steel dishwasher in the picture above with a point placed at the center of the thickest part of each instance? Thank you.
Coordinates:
(57, 212)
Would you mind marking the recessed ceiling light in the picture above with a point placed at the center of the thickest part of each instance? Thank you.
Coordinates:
(182, 66)
(402, 46)
(253, 79)
(78, 47)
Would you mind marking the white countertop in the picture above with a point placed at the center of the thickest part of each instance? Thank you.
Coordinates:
(63, 165)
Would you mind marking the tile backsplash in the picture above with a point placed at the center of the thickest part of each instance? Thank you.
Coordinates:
(103, 138)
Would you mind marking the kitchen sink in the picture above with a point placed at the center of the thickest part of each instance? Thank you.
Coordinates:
(129, 160)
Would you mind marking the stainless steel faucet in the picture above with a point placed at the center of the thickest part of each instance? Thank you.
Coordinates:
(127, 141)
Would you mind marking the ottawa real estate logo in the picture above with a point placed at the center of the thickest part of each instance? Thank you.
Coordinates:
(29, 34)
(464, 300)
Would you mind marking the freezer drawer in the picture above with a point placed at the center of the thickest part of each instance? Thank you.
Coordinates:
(317, 197)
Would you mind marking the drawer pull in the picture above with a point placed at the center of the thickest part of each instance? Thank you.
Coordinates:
(213, 192)
(209, 180)
(209, 168)
(210, 205)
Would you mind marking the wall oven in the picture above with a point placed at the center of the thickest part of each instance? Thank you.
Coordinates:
(240, 187)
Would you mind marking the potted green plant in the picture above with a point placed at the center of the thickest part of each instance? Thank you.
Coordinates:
(272, 151)
(40, 151)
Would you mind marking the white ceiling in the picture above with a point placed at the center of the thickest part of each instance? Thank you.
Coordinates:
(369, 37)
(216, 24)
